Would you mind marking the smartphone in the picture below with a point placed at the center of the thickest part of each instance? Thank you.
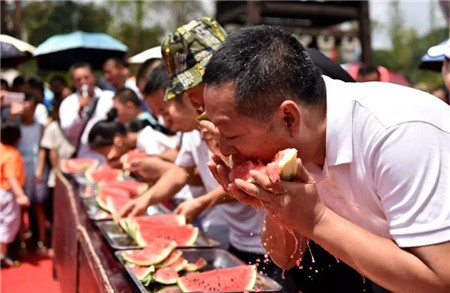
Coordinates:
(13, 97)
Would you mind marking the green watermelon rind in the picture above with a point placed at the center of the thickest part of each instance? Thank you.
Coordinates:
(179, 266)
(193, 267)
(288, 164)
(251, 283)
(169, 261)
(161, 257)
(146, 273)
(141, 242)
(102, 204)
(164, 281)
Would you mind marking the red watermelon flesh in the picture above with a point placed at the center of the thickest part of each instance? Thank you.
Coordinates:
(103, 173)
(134, 187)
(111, 192)
(77, 165)
(171, 259)
(155, 252)
(144, 222)
(240, 278)
(198, 265)
(130, 156)
(167, 276)
(115, 204)
(282, 167)
(182, 235)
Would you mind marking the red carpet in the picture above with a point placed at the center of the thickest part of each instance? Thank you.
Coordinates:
(33, 275)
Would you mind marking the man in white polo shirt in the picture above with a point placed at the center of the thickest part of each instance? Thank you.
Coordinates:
(82, 109)
(374, 185)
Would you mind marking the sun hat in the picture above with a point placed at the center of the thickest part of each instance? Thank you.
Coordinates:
(187, 51)
(439, 50)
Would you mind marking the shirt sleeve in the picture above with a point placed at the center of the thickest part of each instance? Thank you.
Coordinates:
(49, 139)
(14, 166)
(411, 175)
(185, 156)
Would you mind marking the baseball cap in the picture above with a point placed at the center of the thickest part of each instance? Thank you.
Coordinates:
(439, 50)
(187, 51)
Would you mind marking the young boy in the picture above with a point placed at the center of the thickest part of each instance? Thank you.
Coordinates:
(12, 181)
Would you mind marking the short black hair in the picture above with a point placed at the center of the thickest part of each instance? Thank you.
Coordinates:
(4, 82)
(31, 98)
(36, 84)
(103, 133)
(144, 70)
(368, 69)
(267, 66)
(77, 65)
(10, 132)
(127, 95)
(18, 81)
(117, 61)
(158, 79)
(138, 124)
(59, 78)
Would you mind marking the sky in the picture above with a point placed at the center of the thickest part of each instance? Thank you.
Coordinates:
(416, 14)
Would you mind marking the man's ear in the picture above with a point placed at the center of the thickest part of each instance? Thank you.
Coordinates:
(290, 114)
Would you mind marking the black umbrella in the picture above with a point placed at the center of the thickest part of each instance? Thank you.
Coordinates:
(14, 51)
(61, 51)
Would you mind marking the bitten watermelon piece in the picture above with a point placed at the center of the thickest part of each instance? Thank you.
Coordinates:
(240, 278)
(155, 252)
(134, 187)
(171, 259)
(182, 235)
(282, 167)
(77, 165)
(198, 265)
(103, 173)
(179, 265)
(142, 272)
(167, 276)
(111, 192)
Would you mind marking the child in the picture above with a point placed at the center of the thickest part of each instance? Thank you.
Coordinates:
(12, 181)
(36, 186)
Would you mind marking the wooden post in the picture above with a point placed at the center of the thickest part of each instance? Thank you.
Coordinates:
(365, 33)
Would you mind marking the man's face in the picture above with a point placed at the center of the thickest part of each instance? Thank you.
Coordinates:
(180, 115)
(155, 101)
(115, 74)
(82, 76)
(239, 135)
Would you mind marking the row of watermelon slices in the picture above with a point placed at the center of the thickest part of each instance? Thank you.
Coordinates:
(160, 262)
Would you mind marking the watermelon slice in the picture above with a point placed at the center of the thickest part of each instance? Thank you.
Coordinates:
(282, 167)
(115, 204)
(154, 253)
(77, 165)
(103, 173)
(198, 265)
(179, 265)
(111, 192)
(142, 272)
(240, 278)
(173, 257)
(171, 289)
(182, 235)
(130, 156)
(134, 187)
(143, 223)
(167, 276)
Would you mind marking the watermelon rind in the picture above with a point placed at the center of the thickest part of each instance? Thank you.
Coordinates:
(288, 164)
(186, 283)
(145, 273)
(147, 280)
(179, 265)
(160, 278)
(102, 204)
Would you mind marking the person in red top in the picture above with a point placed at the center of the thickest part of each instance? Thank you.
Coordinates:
(12, 181)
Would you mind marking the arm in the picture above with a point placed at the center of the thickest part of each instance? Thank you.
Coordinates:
(169, 155)
(165, 188)
(18, 192)
(53, 156)
(41, 163)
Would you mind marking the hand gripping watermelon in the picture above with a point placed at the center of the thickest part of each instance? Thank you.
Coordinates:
(130, 156)
(155, 252)
(134, 187)
(103, 173)
(282, 167)
(240, 278)
(77, 165)
(167, 276)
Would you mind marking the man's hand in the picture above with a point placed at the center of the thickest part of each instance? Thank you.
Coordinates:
(149, 169)
(135, 207)
(294, 204)
(190, 209)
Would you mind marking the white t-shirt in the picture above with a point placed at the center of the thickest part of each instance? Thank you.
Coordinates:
(72, 123)
(387, 166)
(243, 221)
(154, 142)
(41, 114)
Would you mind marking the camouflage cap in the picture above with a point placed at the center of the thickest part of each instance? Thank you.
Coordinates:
(187, 51)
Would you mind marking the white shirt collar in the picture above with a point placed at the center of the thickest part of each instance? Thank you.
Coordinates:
(339, 145)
